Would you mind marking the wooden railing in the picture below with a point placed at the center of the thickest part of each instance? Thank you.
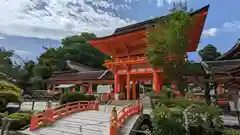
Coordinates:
(131, 58)
(117, 119)
(50, 115)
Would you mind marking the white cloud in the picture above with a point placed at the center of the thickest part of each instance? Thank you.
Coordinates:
(1, 37)
(22, 55)
(58, 18)
(22, 52)
(210, 32)
(231, 26)
(165, 2)
(130, 1)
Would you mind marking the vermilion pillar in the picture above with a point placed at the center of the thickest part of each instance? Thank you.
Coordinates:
(134, 89)
(48, 88)
(121, 86)
(221, 89)
(53, 88)
(89, 88)
(116, 83)
(128, 86)
(157, 81)
(60, 90)
(73, 89)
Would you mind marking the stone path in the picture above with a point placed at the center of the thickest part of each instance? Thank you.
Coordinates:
(39, 105)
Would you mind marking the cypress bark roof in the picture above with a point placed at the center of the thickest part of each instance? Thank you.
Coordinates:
(225, 72)
(80, 72)
(84, 76)
(233, 53)
(147, 23)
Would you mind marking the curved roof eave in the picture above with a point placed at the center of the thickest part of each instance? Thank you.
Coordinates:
(230, 52)
(143, 25)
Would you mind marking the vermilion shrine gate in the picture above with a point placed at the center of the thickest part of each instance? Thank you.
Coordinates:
(127, 46)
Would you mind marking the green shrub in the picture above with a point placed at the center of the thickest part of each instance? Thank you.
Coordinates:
(8, 93)
(91, 97)
(6, 86)
(231, 132)
(77, 96)
(20, 120)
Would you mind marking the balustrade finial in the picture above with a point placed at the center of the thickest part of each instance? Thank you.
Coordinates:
(113, 122)
(113, 116)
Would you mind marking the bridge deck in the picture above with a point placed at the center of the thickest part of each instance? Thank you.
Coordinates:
(85, 123)
(82, 123)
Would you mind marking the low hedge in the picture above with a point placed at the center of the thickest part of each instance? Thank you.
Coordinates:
(20, 120)
(68, 97)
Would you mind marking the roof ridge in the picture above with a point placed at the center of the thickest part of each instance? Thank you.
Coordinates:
(229, 52)
(79, 64)
(141, 25)
(94, 71)
(156, 18)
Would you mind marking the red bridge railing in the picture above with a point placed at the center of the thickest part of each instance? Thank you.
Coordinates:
(50, 115)
(117, 119)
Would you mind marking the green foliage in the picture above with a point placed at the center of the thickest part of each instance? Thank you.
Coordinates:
(167, 121)
(171, 113)
(6, 86)
(19, 120)
(42, 71)
(231, 132)
(30, 75)
(169, 42)
(68, 97)
(75, 48)
(209, 53)
(9, 93)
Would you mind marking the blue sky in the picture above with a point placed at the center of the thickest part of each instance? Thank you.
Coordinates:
(27, 25)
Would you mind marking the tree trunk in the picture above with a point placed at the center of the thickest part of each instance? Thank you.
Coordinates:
(207, 91)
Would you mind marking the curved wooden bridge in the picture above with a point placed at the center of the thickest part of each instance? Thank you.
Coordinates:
(85, 118)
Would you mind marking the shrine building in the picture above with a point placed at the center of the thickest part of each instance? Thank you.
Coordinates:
(129, 63)
(78, 77)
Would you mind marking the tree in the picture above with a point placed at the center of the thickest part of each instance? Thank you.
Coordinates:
(8, 93)
(168, 46)
(209, 53)
(75, 48)
(181, 6)
(6, 63)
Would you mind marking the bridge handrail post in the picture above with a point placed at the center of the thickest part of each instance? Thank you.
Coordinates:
(113, 130)
(49, 114)
(34, 122)
(96, 105)
(90, 105)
